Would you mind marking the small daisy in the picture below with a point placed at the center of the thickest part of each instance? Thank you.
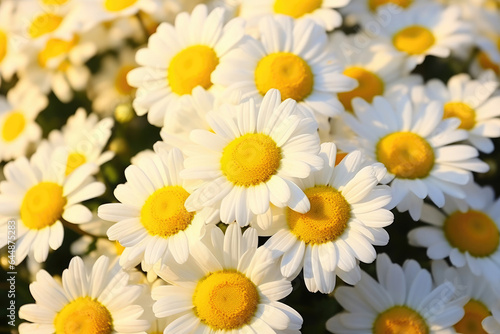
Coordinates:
(98, 11)
(99, 301)
(470, 237)
(228, 285)
(346, 218)
(404, 300)
(38, 196)
(417, 147)
(179, 58)
(363, 10)
(248, 161)
(488, 42)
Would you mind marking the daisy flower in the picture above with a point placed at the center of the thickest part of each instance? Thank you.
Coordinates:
(18, 128)
(226, 286)
(100, 300)
(37, 195)
(179, 58)
(417, 147)
(488, 42)
(364, 10)
(106, 10)
(346, 218)
(11, 57)
(404, 300)
(292, 57)
(469, 238)
(247, 162)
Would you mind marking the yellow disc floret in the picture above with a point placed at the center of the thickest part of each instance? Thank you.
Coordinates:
(399, 320)
(83, 315)
(225, 300)
(44, 24)
(475, 312)
(414, 40)
(462, 111)
(472, 231)
(164, 213)
(326, 220)
(369, 86)
(121, 83)
(296, 8)
(3, 45)
(374, 4)
(42, 205)
(192, 67)
(406, 155)
(13, 126)
(118, 5)
(288, 73)
(250, 159)
(54, 2)
(56, 48)
(75, 160)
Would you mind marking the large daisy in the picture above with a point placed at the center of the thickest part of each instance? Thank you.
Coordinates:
(346, 218)
(179, 58)
(247, 162)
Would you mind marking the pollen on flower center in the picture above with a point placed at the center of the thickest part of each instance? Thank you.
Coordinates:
(121, 83)
(472, 231)
(369, 86)
(55, 48)
(414, 40)
(374, 4)
(398, 320)
(42, 205)
(250, 159)
(225, 300)
(192, 67)
(84, 315)
(74, 161)
(13, 126)
(287, 72)
(406, 155)
(475, 312)
(44, 24)
(3, 45)
(296, 8)
(326, 220)
(164, 213)
(118, 5)
(462, 111)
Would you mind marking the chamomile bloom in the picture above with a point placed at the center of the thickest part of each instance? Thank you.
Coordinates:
(404, 300)
(417, 147)
(346, 218)
(292, 57)
(11, 57)
(228, 285)
(488, 42)
(107, 10)
(37, 195)
(179, 58)
(96, 301)
(469, 238)
(18, 128)
(249, 160)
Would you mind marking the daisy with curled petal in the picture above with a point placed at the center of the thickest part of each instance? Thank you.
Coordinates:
(37, 195)
(248, 161)
(96, 301)
(179, 58)
(469, 238)
(410, 137)
(404, 300)
(346, 218)
(228, 285)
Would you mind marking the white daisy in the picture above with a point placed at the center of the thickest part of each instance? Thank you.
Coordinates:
(247, 162)
(346, 218)
(371, 10)
(38, 197)
(417, 147)
(179, 58)
(470, 237)
(404, 300)
(100, 301)
(488, 42)
(226, 286)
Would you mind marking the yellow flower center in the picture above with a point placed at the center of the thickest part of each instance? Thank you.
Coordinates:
(339, 157)
(84, 315)
(473, 232)
(374, 4)
(44, 24)
(475, 312)
(399, 320)
(55, 48)
(225, 300)
(287, 72)
(13, 126)
(75, 160)
(54, 2)
(406, 155)
(121, 83)
(325, 221)
(462, 111)
(250, 159)
(369, 86)
(192, 67)
(414, 40)
(118, 5)
(486, 63)
(164, 213)
(3, 45)
(296, 8)
(42, 205)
